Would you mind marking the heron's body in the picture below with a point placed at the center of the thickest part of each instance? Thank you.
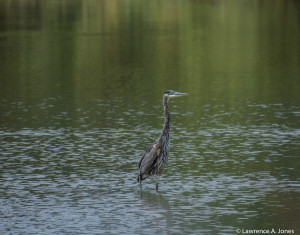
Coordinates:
(156, 156)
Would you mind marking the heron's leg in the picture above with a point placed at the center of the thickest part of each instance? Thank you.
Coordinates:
(157, 183)
(140, 181)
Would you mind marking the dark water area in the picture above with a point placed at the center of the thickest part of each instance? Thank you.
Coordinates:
(81, 99)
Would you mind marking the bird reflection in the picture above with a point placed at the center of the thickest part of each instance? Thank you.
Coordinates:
(154, 200)
(157, 207)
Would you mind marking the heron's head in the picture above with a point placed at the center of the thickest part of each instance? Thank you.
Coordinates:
(171, 94)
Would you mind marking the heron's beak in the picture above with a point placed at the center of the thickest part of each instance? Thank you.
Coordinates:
(176, 94)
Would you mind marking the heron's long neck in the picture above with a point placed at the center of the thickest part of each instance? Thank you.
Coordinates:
(166, 129)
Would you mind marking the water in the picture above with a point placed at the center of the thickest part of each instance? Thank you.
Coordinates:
(81, 89)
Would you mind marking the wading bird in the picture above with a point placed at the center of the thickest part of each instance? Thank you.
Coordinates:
(156, 156)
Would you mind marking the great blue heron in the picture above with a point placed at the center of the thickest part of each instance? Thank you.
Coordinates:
(156, 156)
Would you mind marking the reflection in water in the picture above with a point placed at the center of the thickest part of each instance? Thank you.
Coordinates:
(156, 209)
(154, 200)
(98, 49)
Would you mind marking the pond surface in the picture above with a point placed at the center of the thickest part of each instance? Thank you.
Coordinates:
(81, 100)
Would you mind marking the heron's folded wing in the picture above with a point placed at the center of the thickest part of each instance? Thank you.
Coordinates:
(149, 159)
(146, 152)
